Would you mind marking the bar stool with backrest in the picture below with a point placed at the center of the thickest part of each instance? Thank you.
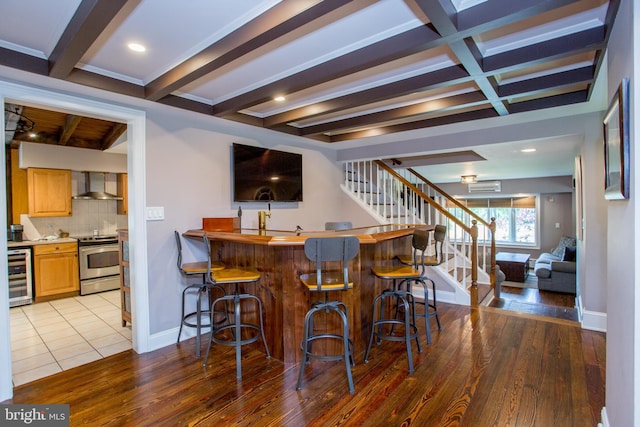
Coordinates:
(384, 322)
(196, 269)
(234, 276)
(420, 260)
(321, 251)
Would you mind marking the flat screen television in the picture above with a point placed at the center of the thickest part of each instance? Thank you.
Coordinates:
(261, 174)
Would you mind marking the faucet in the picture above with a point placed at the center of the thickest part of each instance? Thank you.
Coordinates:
(262, 219)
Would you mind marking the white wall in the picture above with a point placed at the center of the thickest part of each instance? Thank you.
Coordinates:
(623, 243)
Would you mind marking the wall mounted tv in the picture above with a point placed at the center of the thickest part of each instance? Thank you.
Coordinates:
(261, 174)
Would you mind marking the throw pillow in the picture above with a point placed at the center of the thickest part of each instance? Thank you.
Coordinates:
(564, 242)
(569, 254)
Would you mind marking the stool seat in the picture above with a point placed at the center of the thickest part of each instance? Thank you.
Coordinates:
(331, 281)
(395, 271)
(200, 267)
(235, 275)
(429, 260)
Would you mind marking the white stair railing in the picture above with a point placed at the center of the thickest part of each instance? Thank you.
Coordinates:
(401, 196)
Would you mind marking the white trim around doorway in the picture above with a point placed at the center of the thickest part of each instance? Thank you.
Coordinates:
(136, 165)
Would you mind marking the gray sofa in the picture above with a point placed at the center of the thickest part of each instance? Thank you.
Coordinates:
(556, 271)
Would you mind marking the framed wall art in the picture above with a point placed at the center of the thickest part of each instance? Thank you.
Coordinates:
(616, 145)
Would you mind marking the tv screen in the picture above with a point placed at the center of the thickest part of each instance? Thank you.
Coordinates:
(261, 174)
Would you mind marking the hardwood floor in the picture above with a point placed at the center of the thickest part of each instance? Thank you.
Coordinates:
(487, 367)
(534, 301)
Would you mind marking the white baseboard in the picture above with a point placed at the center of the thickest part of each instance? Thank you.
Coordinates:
(594, 321)
(605, 419)
(168, 337)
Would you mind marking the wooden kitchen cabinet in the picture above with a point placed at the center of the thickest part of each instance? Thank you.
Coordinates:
(55, 268)
(125, 285)
(49, 192)
(123, 191)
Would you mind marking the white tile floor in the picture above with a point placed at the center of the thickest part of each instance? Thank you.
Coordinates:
(53, 336)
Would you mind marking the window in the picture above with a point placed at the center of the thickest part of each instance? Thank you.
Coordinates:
(516, 218)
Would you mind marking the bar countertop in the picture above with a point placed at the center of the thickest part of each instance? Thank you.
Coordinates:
(366, 235)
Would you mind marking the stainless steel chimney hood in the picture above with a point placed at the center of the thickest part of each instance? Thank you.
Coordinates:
(95, 188)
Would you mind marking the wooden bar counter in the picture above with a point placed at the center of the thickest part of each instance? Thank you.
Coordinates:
(280, 258)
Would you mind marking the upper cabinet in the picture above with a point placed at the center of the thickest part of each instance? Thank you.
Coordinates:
(49, 192)
(123, 192)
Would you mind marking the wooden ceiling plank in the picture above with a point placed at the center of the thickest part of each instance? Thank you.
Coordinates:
(276, 22)
(88, 22)
(442, 104)
(408, 43)
(71, 122)
(422, 82)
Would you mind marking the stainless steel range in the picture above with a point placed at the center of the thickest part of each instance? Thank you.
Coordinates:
(98, 261)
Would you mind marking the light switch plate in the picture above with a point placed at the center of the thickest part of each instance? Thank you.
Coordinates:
(155, 213)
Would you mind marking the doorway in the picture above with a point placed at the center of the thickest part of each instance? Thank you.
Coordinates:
(135, 121)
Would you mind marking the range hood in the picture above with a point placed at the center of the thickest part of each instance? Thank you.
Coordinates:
(94, 183)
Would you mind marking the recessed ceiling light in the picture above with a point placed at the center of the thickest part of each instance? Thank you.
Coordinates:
(279, 98)
(528, 150)
(136, 47)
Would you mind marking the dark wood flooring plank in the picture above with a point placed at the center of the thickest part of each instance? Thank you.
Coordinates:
(486, 367)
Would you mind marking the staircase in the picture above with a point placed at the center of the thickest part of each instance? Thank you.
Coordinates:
(402, 196)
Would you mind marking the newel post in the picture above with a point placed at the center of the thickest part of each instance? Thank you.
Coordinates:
(492, 227)
(474, 263)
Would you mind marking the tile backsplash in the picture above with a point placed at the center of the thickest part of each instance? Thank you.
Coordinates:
(88, 215)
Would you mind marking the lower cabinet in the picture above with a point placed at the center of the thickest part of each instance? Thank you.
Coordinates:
(55, 268)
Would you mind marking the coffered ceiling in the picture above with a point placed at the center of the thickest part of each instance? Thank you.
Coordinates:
(347, 69)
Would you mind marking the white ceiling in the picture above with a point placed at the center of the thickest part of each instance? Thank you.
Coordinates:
(174, 32)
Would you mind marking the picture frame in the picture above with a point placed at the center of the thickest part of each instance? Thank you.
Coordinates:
(616, 145)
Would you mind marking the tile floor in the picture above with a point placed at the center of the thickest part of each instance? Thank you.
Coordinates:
(54, 336)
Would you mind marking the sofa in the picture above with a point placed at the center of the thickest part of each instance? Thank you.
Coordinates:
(556, 270)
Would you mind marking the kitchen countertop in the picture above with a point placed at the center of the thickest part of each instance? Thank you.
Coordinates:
(26, 243)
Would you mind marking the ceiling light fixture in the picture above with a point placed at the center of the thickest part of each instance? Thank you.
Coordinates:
(468, 179)
(136, 47)
(279, 98)
(528, 150)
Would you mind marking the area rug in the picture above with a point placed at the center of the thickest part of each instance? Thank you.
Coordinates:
(531, 282)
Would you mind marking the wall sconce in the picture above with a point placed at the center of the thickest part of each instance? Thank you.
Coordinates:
(468, 179)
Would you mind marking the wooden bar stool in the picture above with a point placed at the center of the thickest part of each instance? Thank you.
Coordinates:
(384, 327)
(190, 270)
(322, 250)
(420, 260)
(234, 276)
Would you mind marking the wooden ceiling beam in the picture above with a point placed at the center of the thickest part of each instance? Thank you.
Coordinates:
(278, 21)
(543, 83)
(408, 43)
(112, 136)
(442, 104)
(89, 21)
(438, 121)
(571, 44)
(392, 90)
(71, 122)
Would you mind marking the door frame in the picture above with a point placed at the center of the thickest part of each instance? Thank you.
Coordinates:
(135, 120)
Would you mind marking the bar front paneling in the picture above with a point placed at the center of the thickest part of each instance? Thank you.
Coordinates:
(280, 258)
